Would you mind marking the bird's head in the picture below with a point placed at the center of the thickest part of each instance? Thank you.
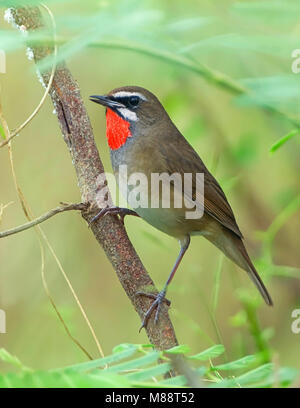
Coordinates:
(130, 110)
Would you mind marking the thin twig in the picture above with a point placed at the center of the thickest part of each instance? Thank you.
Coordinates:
(41, 235)
(76, 298)
(50, 297)
(42, 218)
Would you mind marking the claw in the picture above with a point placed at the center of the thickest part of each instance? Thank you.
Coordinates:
(158, 300)
(100, 214)
(153, 296)
(122, 212)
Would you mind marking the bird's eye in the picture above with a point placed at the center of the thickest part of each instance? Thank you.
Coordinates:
(134, 101)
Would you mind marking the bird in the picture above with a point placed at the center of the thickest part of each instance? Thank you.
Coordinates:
(143, 139)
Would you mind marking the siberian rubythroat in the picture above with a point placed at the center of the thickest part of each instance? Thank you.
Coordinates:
(143, 140)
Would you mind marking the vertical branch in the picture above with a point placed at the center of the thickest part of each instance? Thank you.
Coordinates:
(109, 231)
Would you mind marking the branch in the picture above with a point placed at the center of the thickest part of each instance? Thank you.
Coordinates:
(109, 231)
(44, 217)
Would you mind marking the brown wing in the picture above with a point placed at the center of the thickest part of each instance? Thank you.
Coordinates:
(179, 156)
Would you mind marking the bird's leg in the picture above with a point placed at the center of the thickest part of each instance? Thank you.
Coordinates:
(160, 297)
(121, 212)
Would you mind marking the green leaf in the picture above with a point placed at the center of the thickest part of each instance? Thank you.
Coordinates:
(123, 347)
(136, 363)
(128, 24)
(151, 385)
(284, 377)
(143, 375)
(283, 140)
(233, 42)
(255, 376)
(250, 378)
(211, 352)
(2, 135)
(181, 380)
(273, 91)
(241, 363)
(101, 362)
(142, 347)
(179, 349)
(66, 379)
(8, 358)
(135, 373)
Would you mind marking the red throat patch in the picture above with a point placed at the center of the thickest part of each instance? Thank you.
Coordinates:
(117, 130)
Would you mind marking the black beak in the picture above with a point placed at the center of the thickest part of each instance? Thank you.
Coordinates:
(106, 101)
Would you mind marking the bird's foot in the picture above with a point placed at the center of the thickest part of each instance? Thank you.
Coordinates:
(121, 212)
(158, 300)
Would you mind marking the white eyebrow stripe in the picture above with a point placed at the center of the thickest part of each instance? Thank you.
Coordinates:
(128, 114)
(125, 93)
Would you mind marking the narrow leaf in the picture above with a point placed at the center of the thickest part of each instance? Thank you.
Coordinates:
(181, 380)
(61, 380)
(2, 135)
(179, 349)
(101, 362)
(237, 364)
(136, 363)
(143, 375)
(283, 140)
(8, 358)
(251, 377)
(211, 352)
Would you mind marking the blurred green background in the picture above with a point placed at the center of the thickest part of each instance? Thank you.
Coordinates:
(212, 300)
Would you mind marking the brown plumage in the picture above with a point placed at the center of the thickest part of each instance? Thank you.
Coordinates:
(155, 145)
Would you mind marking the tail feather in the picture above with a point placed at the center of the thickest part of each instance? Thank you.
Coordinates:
(234, 248)
(260, 286)
(254, 276)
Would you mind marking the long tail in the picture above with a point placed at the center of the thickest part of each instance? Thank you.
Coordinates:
(254, 276)
(234, 248)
